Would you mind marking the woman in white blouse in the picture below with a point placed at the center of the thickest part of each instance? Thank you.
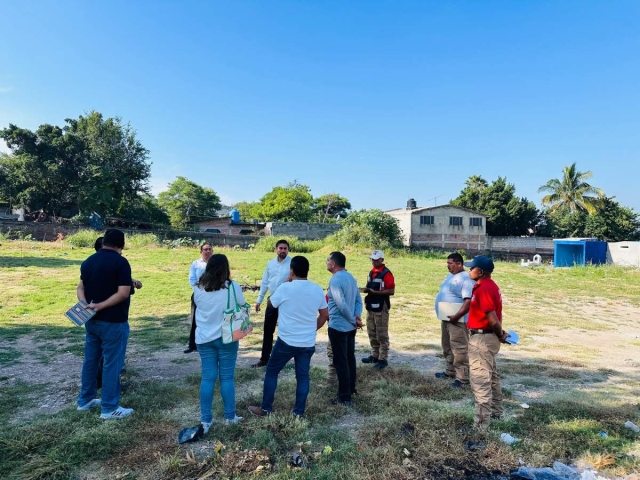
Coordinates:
(218, 359)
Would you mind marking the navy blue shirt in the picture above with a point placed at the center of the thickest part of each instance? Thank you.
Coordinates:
(101, 274)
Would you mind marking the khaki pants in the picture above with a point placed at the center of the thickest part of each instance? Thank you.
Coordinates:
(483, 377)
(378, 330)
(455, 342)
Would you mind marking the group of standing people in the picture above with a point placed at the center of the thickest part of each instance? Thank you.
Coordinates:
(471, 336)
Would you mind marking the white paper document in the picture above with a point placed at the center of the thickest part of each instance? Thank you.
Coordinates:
(447, 308)
(512, 338)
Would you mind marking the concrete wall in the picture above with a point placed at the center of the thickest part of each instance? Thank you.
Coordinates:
(525, 245)
(304, 231)
(626, 254)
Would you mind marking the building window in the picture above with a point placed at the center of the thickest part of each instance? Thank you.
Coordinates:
(475, 221)
(455, 221)
(426, 220)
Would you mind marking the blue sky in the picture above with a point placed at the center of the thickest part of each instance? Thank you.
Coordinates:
(377, 101)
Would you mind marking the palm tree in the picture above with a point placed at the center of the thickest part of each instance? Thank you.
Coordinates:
(572, 192)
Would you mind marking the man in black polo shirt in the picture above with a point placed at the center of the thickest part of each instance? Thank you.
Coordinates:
(105, 284)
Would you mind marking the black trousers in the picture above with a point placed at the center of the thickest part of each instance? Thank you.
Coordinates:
(192, 334)
(343, 345)
(269, 328)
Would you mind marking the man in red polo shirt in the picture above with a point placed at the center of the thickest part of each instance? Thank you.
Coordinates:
(485, 335)
(380, 286)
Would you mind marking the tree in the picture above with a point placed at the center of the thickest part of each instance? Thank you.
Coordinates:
(144, 208)
(90, 164)
(506, 213)
(370, 228)
(328, 207)
(186, 202)
(291, 203)
(612, 222)
(247, 210)
(572, 192)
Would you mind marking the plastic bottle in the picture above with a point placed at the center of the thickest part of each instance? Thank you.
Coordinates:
(632, 426)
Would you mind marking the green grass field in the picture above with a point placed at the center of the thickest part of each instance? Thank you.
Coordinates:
(576, 366)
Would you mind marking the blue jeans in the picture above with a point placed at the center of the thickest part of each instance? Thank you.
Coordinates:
(280, 355)
(218, 359)
(107, 340)
(343, 345)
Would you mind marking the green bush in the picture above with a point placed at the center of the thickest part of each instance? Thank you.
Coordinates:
(141, 240)
(84, 238)
(181, 242)
(268, 244)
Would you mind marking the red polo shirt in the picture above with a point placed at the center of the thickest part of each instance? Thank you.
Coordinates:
(486, 298)
(388, 280)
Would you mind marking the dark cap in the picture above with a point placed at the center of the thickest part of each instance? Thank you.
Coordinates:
(113, 238)
(483, 263)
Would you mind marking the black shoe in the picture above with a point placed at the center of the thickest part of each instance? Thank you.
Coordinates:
(259, 363)
(336, 401)
(381, 364)
(370, 359)
(457, 384)
(496, 416)
(443, 375)
(190, 349)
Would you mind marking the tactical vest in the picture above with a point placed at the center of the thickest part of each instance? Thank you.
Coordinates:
(372, 302)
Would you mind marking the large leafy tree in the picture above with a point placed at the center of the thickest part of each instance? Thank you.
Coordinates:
(89, 164)
(291, 203)
(572, 192)
(612, 222)
(330, 207)
(187, 202)
(145, 208)
(506, 213)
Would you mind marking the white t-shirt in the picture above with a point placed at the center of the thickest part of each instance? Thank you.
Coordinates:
(298, 303)
(210, 311)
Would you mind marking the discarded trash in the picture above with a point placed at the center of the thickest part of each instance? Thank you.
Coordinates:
(327, 450)
(603, 434)
(559, 471)
(297, 460)
(629, 424)
(475, 446)
(192, 434)
(524, 405)
(508, 439)
(406, 452)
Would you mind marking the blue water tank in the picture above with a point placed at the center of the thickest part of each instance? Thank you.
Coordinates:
(235, 216)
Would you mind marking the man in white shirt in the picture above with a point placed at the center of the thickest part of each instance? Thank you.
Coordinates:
(302, 311)
(275, 274)
(196, 270)
(455, 293)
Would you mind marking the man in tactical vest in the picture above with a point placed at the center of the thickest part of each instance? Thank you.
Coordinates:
(380, 286)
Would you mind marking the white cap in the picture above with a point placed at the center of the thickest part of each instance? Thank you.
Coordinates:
(377, 254)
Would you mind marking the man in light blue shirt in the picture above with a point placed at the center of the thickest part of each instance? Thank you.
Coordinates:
(455, 294)
(345, 309)
(276, 273)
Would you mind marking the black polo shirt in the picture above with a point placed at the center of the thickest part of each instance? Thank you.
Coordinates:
(101, 274)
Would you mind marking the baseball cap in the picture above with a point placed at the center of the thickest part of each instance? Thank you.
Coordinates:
(482, 262)
(377, 254)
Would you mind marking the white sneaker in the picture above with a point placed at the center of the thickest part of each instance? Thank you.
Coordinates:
(119, 412)
(233, 421)
(93, 403)
(206, 426)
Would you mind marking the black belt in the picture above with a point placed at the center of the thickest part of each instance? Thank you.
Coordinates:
(479, 331)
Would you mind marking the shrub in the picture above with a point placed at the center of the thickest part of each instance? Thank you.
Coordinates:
(141, 240)
(84, 238)
(268, 244)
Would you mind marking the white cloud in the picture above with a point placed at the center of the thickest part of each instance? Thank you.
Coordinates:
(158, 185)
(3, 147)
